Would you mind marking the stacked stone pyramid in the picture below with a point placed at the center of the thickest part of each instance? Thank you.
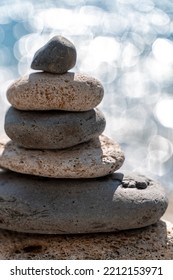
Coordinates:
(61, 167)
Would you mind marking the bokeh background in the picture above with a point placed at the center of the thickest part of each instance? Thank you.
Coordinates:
(127, 44)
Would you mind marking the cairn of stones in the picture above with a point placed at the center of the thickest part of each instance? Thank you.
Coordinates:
(58, 168)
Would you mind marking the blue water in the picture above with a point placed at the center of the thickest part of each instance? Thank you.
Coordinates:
(127, 44)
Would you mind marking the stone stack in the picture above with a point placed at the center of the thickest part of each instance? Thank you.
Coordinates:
(66, 181)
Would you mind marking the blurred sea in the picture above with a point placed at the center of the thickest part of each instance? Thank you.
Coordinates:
(128, 45)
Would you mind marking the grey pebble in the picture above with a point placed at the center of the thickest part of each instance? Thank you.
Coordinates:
(57, 56)
(61, 206)
(53, 129)
(132, 180)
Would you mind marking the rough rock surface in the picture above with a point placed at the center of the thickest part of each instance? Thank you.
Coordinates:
(133, 180)
(151, 243)
(98, 157)
(38, 205)
(57, 56)
(45, 91)
(53, 129)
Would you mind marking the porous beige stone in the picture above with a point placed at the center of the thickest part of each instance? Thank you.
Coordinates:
(151, 243)
(45, 91)
(98, 157)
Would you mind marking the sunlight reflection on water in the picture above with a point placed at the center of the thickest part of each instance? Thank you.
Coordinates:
(127, 44)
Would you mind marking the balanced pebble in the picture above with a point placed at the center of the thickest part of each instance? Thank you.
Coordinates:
(53, 129)
(98, 157)
(44, 91)
(57, 56)
(61, 206)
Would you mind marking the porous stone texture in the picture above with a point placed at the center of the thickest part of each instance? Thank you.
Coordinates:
(45, 91)
(53, 129)
(38, 205)
(151, 243)
(98, 157)
(57, 56)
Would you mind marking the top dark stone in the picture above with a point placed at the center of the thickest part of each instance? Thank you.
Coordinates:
(57, 56)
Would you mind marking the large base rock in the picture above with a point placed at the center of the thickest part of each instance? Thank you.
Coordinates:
(151, 243)
(61, 206)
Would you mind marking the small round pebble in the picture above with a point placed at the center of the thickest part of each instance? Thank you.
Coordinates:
(44, 91)
(61, 206)
(98, 157)
(53, 129)
(57, 56)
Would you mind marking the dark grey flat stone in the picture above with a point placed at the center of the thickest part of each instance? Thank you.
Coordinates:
(61, 206)
(57, 56)
(53, 129)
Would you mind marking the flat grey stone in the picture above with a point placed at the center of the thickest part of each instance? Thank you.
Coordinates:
(98, 157)
(53, 129)
(56, 206)
(45, 91)
(57, 56)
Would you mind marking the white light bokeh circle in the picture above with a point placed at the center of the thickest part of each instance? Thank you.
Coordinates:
(100, 50)
(159, 18)
(160, 153)
(133, 84)
(164, 112)
(130, 55)
(157, 70)
(163, 50)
